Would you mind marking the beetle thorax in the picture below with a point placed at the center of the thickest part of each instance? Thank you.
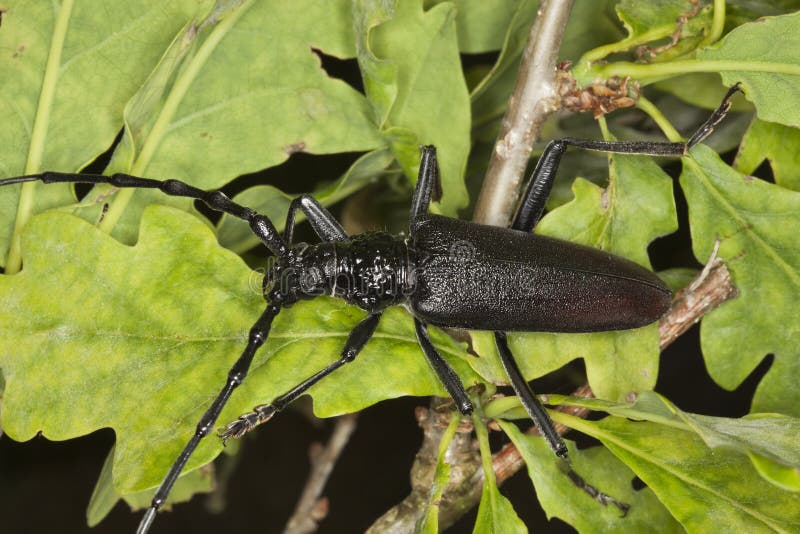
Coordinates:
(372, 271)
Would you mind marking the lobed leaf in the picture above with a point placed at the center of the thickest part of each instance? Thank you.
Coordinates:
(766, 438)
(755, 223)
(775, 143)
(703, 489)
(238, 92)
(413, 78)
(765, 57)
(561, 498)
(67, 69)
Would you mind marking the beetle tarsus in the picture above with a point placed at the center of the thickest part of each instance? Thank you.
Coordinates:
(603, 498)
(708, 127)
(247, 422)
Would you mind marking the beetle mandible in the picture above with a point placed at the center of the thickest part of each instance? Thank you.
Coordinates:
(509, 280)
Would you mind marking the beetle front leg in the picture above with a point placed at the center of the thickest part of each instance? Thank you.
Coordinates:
(429, 184)
(320, 219)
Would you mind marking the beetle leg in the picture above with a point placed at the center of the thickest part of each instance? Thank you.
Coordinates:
(323, 223)
(264, 412)
(545, 425)
(541, 182)
(429, 184)
(261, 226)
(236, 374)
(447, 376)
(529, 400)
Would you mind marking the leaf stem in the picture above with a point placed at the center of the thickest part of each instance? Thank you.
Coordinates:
(482, 433)
(654, 113)
(717, 24)
(673, 68)
(39, 133)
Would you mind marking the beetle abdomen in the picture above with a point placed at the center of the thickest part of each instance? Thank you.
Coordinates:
(489, 278)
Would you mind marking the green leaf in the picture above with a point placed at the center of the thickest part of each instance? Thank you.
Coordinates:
(481, 25)
(412, 74)
(67, 69)
(777, 144)
(706, 490)
(653, 20)
(105, 496)
(636, 208)
(765, 57)
(429, 522)
(561, 498)
(495, 513)
(226, 101)
(770, 439)
(152, 336)
(756, 224)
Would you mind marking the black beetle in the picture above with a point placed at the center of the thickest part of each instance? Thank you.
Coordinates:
(447, 272)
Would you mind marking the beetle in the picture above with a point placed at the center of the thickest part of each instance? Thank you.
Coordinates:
(509, 279)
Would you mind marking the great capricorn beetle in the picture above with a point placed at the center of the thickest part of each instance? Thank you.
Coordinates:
(503, 279)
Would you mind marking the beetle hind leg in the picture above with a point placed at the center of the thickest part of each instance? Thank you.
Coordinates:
(545, 425)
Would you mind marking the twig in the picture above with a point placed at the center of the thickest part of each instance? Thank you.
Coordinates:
(535, 97)
(311, 509)
(708, 290)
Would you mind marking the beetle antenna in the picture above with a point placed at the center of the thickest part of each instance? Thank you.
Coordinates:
(19, 180)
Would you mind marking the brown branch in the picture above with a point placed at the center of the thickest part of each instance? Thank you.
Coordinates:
(535, 97)
(708, 290)
(311, 509)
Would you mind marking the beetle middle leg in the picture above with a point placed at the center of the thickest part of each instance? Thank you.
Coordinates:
(264, 412)
(447, 376)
